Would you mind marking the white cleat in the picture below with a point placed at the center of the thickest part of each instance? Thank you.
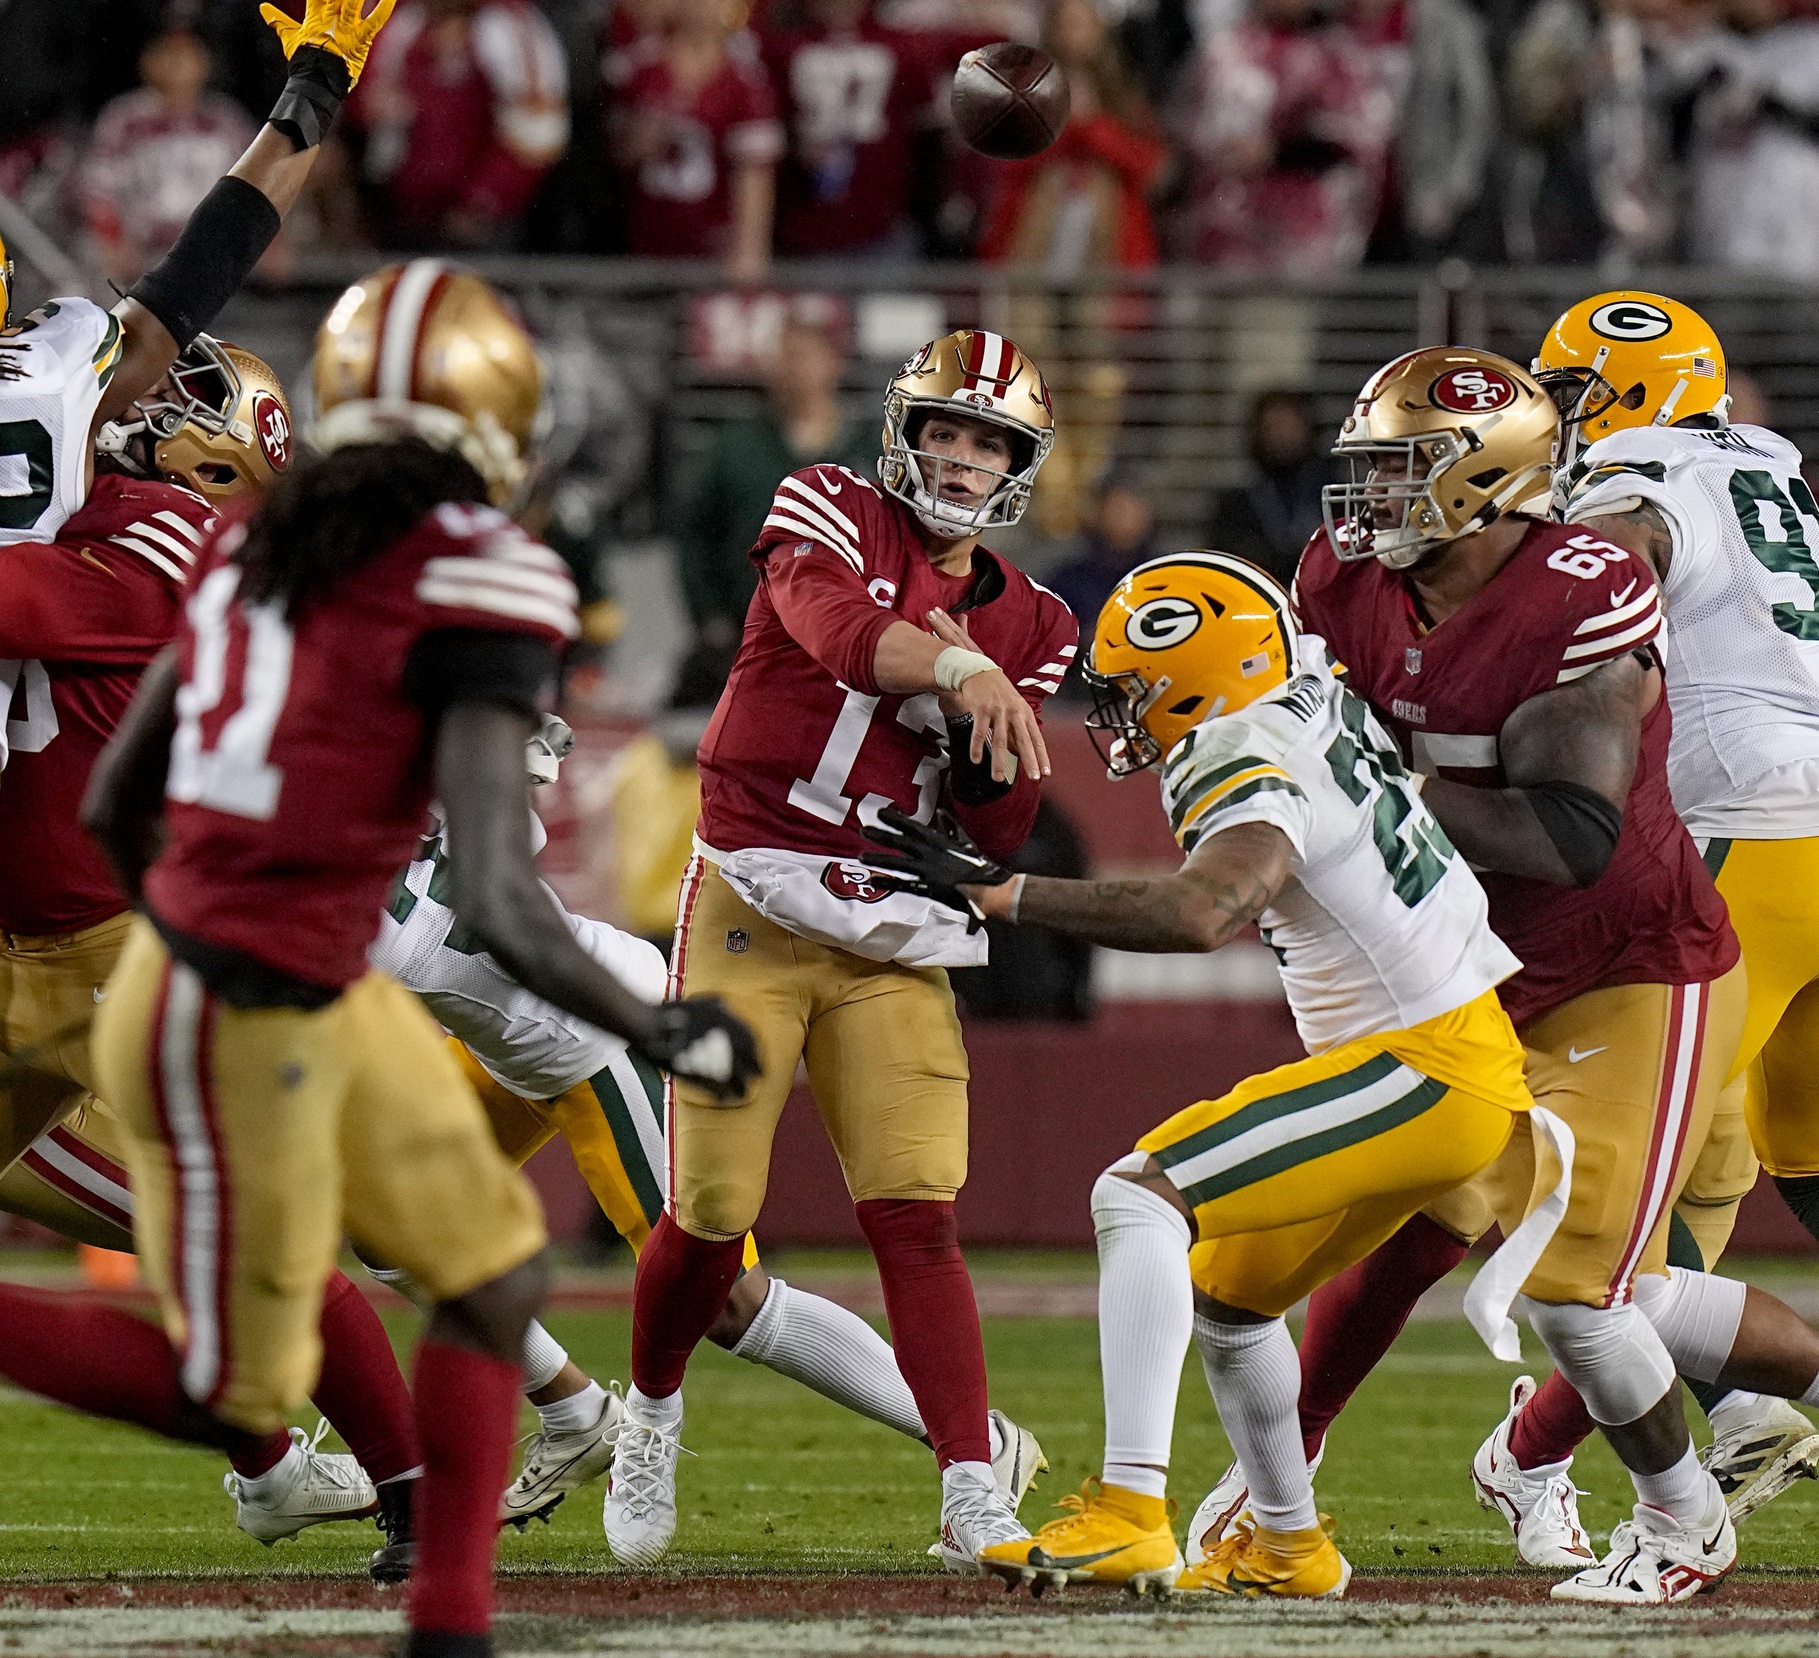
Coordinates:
(640, 1514)
(308, 1488)
(557, 1463)
(1223, 1507)
(974, 1515)
(1761, 1450)
(1654, 1561)
(1017, 1460)
(1542, 1509)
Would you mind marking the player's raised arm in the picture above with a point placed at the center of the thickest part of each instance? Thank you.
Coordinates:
(236, 222)
(481, 781)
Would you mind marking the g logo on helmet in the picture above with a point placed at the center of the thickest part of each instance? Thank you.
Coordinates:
(1630, 319)
(274, 430)
(1162, 623)
(852, 882)
(1472, 391)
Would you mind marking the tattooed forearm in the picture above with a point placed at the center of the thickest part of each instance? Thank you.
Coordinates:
(1186, 911)
(1642, 531)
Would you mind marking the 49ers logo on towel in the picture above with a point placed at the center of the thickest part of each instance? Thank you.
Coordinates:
(274, 429)
(1473, 391)
(853, 882)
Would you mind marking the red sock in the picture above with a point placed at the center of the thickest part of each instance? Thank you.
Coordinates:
(1552, 1425)
(467, 1417)
(681, 1286)
(264, 1459)
(934, 1320)
(361, 1389)
(1353, 1320)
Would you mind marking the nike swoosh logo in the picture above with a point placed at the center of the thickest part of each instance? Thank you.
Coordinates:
(1712, 1542)
(834, 489)
(1573, 1055)
(1618, 598)
(1041, 1557)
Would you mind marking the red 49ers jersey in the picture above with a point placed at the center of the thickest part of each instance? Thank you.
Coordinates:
(1564, 604)
(793, 755)
(80, 617)
(301, 768)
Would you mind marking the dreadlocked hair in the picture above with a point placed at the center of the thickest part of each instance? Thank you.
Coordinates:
(327, 517)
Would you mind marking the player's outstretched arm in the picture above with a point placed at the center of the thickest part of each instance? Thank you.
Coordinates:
(123, 807)
(1569, 755)
(235, 223)
(481, 781)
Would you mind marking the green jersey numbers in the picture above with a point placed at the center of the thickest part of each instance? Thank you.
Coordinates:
(28, 473)
(402, 900)
(1778, 517)
(1414, 848)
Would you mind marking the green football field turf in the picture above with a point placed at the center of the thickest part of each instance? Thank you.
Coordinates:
(782, 1480)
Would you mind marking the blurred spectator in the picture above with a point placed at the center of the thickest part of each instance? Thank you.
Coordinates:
(1756, 145)
(157, 152)
(1269, 519)
(1084, 201)
(1121, 536)
(854, 97)
(1284, 157)
(51, 53)
(694, 125)
(1749, 402)
(464, 108)
(1434, 98)
(724, 507)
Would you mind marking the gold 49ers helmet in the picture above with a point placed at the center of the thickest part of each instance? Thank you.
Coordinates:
(217, 423)
(1184, 638)
(982, 376)
(1441, 443)
(1627, 359)
(429, 350)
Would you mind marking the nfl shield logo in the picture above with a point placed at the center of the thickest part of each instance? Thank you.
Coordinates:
(1411, 660)
(738, 940)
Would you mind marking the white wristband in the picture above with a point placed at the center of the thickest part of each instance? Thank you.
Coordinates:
(1016, 896)
(956, 665)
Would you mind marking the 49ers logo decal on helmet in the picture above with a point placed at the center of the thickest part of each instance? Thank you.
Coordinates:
(274, 429)
(1630, 319)
(854, 882)
(1472, 391)
(1161, 623)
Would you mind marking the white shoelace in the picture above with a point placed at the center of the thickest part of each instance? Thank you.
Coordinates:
(644, 1466)
(985, 1516)
(323, 1468)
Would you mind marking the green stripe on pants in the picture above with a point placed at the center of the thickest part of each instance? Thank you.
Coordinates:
(618, 1110)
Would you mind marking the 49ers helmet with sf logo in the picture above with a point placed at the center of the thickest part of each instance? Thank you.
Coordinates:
(982, 376)
(1183, 638)
(1627, 359)
(217, 423)
(1441, 443)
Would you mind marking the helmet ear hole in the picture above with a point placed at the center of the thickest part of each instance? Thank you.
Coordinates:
(1186, 706)
(1484, 480)
(1632, 399)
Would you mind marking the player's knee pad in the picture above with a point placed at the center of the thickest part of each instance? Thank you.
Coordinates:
(1612, 1355)
(1696, 1315)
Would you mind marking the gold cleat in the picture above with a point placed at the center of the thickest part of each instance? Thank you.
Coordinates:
(1107, 1535)
(1299, 1565)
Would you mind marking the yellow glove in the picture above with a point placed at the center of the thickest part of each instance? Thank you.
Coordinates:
(334, 25)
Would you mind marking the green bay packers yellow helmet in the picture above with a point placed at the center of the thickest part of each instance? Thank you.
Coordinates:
(1626, 359)
(1184, 638)
(1440, 444)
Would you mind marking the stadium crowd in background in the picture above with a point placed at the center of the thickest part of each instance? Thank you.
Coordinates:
(1297, 137)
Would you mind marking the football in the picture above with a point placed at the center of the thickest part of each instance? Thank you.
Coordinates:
(1010, 100)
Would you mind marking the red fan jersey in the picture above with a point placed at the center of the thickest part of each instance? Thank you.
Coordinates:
(80, 617)
(301, 769)
(804, 743)
(1564, 604)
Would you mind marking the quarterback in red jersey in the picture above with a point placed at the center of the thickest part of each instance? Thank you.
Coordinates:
(888, 659)
(274, 1091)
(1515, 661)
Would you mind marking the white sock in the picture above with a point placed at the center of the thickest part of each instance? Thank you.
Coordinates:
(960, 1477)
(835, 1352)
(1685, 1491)
(655, 1413)
(1811, 1396)
(577, 1411)
(1146, 1320)
(277, 1480)
(1255, 1374)
(544, 1358)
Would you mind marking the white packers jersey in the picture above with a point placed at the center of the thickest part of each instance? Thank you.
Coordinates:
(1742, 601)
(534, 1049)
(54, 366)
(1383, 925)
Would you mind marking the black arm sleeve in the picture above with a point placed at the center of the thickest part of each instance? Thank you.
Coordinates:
(1581, 823)
(226, 236)
(515, 670)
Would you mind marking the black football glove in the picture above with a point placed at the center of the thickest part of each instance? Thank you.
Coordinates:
(934, 860)
(700, 1041)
